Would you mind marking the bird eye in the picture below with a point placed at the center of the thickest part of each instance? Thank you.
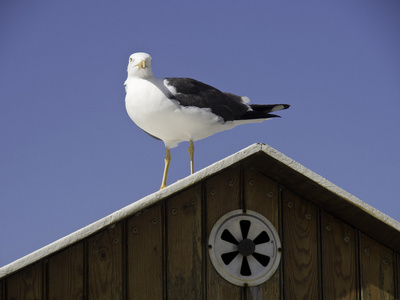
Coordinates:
(130, 59)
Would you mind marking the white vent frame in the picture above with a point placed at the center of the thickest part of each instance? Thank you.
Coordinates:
(244, 248)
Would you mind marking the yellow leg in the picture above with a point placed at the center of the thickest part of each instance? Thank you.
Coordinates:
(191, 153)
(167, 162)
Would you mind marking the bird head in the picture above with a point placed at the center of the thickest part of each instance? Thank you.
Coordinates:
(140, 65)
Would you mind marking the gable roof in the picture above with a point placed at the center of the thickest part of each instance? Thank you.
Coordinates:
(265, 160)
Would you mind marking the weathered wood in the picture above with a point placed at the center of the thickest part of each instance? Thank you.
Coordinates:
(26, 284)
(2, 290)
(105, 264)
(66, 274)
(339, 260)
(397, 277)
(222, 195)
(377, 270)
(262, 195)
(145, 254)
(300, 247)
(184, 245)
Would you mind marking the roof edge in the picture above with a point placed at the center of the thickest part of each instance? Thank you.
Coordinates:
(129, 210)
(152, 199)
(331, 187)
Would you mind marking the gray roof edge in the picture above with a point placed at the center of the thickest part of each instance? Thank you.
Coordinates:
(152, 199)
(131, 209)
(326, 184)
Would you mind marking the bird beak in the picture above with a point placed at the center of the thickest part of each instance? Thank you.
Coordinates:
(141, 65)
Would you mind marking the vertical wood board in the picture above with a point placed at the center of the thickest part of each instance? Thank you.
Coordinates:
(300, 247)
(184, 245)
(397, 277)
(145, 257)
(262, 196)
(2, 290)
(66, 274)
(105, 264)
(222, 196)
(377, 270)
(339, 259)
(27, 283)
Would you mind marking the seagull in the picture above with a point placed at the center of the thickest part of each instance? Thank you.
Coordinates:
(176, 110)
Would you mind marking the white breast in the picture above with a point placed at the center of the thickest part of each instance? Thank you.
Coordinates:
(149, 107)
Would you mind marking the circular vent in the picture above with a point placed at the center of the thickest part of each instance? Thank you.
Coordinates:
(244, 248)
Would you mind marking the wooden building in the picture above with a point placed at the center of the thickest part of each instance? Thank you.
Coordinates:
(256, 225)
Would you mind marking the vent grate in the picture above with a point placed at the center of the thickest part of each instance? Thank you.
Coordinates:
(244, 248)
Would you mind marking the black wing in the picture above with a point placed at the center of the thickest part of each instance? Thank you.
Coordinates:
(191, 92)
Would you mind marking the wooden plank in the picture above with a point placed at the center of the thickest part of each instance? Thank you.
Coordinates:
(222, 195)
(300, 247)
(105, 264)
(397, 277)
(2, 290)
(145, 254)
(184, 245)
(262, 196)
(377, 270)
(27, 283)
(339, 259)
(66, 273)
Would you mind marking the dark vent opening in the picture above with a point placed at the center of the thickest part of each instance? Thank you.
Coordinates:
(262, 238)
(228, 237)
(228, 257)
(262, 259)
(245, 269)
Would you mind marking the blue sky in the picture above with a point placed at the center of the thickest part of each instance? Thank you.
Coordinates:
(70, 155)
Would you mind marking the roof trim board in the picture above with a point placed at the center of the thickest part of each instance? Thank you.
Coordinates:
(288, 172)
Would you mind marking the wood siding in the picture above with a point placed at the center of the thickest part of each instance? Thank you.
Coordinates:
(162, 252)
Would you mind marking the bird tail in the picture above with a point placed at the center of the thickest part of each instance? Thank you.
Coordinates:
(262, 111)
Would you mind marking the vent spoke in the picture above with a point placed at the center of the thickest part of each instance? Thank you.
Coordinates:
(266, 248)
